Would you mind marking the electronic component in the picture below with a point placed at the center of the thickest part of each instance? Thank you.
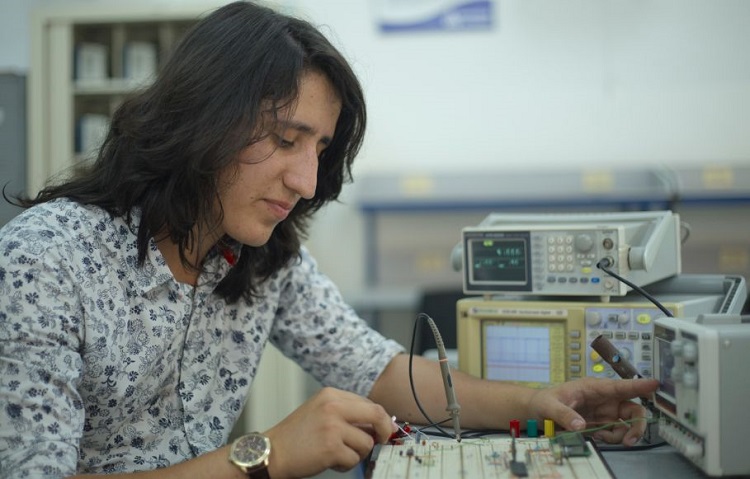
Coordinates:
(704, 379)
(572, 444)
(556, 254)
(517, 468)
(543, 342)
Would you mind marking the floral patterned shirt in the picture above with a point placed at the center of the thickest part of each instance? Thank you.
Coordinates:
(108, 367)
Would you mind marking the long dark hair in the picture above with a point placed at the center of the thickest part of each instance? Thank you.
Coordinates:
(166, 146)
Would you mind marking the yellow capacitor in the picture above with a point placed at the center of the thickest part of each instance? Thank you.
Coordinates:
(549, 428)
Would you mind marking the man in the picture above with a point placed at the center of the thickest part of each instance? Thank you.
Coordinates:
(136, 298)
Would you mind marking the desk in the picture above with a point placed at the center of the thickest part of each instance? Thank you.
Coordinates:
(663, 462)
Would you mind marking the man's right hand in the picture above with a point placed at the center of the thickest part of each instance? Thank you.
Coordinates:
(334, 429)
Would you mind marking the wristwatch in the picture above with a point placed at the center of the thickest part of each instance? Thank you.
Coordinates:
(250, 453)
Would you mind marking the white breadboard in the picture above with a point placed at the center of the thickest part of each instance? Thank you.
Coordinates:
(482, 458)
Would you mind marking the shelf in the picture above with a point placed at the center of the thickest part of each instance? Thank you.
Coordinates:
(113, 86)
(620, 189)
(85, 59)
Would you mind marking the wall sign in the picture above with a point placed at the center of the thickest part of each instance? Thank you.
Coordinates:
(432, 15)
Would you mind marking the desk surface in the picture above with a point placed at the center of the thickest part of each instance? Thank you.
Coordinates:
(663, 462)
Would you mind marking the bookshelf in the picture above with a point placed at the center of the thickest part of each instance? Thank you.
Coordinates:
(85, 58)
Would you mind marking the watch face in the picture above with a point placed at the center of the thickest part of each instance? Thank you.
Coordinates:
(251, 450)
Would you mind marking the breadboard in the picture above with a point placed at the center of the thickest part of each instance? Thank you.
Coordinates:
(482, 458)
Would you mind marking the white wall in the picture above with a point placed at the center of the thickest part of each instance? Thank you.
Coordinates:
(556, 83)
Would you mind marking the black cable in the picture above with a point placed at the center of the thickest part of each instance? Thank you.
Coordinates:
(411, 380)
(637, 447)
(605, 267)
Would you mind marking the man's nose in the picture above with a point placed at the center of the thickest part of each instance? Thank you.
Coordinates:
(302, 175)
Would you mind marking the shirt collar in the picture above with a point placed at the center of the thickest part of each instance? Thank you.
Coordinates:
(155, 272)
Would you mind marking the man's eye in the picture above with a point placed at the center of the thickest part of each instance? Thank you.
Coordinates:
(281, 141)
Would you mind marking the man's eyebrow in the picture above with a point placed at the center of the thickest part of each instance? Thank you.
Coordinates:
(304, 128)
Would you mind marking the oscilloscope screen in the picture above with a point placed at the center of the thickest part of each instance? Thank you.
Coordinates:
(524, 352)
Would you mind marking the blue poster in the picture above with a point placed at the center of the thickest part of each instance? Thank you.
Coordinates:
(426, 15)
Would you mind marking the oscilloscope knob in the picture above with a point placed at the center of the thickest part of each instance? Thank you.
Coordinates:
(690, 351)
(584, 243)
(593, 318)
(676, 347)
(690, 379)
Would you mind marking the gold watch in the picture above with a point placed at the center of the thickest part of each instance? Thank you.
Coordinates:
(250, 453)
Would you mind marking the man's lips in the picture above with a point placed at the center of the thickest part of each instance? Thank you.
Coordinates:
(280, 209)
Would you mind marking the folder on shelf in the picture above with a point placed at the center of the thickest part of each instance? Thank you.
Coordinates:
(90, 62)
(140, 61)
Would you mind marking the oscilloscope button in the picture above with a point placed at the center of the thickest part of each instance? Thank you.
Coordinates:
(643, 318)
(575, 357)
(692, 450)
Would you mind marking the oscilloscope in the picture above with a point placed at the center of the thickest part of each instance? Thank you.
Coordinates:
(702, 367)
(557, 253)
(538, 342)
